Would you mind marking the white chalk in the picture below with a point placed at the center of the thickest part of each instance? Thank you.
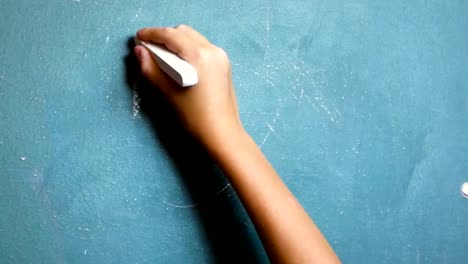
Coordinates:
(464, 189)
(178, 69)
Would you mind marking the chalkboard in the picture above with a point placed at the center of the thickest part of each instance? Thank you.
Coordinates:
(361, 106)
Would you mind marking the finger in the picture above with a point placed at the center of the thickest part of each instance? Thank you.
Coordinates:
(175, 40)
(150, 69)
(193, 34)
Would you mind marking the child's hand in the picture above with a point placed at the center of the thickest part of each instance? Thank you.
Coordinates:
(208, 109)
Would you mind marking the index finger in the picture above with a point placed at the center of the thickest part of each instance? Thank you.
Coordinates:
(192, 33)
(175, 40)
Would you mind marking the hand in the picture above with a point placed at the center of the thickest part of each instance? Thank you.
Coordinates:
(208, 109)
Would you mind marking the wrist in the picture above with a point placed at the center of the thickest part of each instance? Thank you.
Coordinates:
(224, 143)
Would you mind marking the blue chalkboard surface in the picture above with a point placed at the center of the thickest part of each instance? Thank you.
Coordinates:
(361, 106)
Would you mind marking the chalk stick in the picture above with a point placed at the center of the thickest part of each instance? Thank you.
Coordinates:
(178, 69)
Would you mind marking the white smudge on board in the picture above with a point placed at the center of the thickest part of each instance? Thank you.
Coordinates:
(464, 189)
(136, 104)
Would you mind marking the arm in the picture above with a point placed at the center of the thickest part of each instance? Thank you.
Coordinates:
(209, 111)
(287, 232)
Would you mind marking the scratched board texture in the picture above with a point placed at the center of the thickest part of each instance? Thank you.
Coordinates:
(361, 106)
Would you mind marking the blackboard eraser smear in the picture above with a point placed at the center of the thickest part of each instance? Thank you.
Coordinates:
(178, 69)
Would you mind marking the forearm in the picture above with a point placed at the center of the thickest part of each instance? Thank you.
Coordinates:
(287, 232)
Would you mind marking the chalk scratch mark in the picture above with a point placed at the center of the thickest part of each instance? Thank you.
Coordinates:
(195, 204)
(293, 95)
(180, 206)
(271, 128)
(224, 188)
(317, 81)
(265, 139)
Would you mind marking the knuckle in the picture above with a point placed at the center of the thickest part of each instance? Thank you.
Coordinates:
(209, 53)
(221, 53)
(166, 30)
(182, 27)
(199, 54)
(146, 71)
